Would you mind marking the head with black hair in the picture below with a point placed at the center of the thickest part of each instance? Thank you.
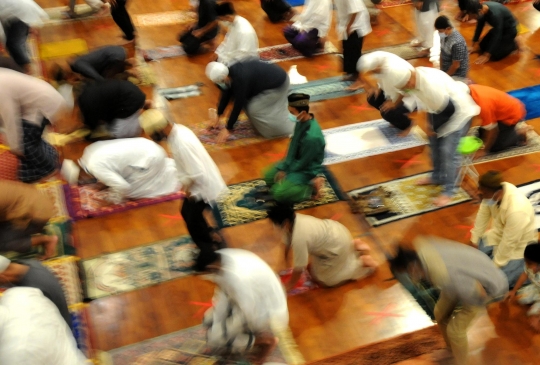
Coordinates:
(532, 257)
(282, 215)
(490, 186)
(475, 9)
(299, 106)
(225, 12)
(406, 261)
(443, 26)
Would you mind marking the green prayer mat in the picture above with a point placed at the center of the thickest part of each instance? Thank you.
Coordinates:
(239, 206)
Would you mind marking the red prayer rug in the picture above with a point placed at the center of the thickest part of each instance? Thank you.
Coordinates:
(9, 165)
(305, 283)
(85, 201)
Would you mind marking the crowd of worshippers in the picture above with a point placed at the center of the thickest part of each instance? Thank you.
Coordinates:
(250, 307)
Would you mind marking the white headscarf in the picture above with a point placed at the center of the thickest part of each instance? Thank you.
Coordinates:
(217, 72)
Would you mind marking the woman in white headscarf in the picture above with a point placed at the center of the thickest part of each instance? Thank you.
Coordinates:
(311, 27)
(450, 110)
(386, 97)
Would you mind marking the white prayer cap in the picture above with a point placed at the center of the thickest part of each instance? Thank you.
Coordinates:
(70, 171)
(4, 263)
(217, 72)
(153, 121)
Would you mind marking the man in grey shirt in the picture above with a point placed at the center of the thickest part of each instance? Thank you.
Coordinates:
(466, 279)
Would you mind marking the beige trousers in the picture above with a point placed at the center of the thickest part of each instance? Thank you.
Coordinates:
(454, 324)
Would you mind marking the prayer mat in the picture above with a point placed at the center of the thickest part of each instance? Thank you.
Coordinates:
(530, 96)
(70, 47)
(244, 134)
(239, 206)
(305, 283)
(159, 53)
(187, 346)
(329, 88)
(391, 351)
(532, 192)
(80, 320)
(85, 201)
(181, 92)
(66, 269)
(164, 18)
(286, 52)
(55, 190)
(365, 139)
(59, 14)
(405, 51)
(533, 145)
(405, 199)
(393, 3)
(294, 3)
(138, 267)
(9, 165)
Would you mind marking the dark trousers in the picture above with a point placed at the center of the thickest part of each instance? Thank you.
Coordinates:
(306, 43)
(122, 19)
(16, 239)
(352, 50)
(192, 44)
(16, 35)
(507, 44)
(507, 137)
(398, 117)
(275, 9)
(199, 230)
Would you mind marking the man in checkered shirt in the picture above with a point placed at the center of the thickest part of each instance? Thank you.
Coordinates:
(454, 53)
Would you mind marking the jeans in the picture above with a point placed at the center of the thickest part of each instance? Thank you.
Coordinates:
(513, 269)
(446, 160)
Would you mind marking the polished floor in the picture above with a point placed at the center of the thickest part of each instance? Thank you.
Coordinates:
(325, 321)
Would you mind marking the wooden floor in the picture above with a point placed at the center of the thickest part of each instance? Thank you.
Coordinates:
(325, 321)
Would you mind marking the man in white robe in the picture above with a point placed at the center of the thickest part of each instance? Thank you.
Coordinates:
(199, 176)
(32, 331)
(334, 257)
(309, 31)
(132, 168)
(241, 42)
(249, 305)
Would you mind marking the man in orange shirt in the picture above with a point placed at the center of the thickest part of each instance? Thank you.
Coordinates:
(500, 113)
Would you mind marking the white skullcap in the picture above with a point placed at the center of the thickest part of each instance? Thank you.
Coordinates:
(4, 263)
(70, 171)
(216, 71)
(153, 121)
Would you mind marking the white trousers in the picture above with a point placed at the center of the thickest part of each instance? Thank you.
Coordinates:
(126, 128)
(425, 25)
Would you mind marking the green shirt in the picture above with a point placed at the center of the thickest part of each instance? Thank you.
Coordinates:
(306, 153)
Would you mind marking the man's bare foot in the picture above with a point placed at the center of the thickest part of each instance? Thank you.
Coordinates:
(369, 261)
(105, 10)
(441, 355)
(416, 43)
(442, 200)
(356, 86)
(361, 246)
(49, 246)
(265, 344)
(425, 181)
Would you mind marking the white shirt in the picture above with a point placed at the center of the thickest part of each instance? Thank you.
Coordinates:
(434, 88)
(345, 10)
(195, 166)
(240, 43)
(512, 225)
(133, 167)
(25, 10)
(317, 14)
(25, 97)
(32, 331)
(250, 282)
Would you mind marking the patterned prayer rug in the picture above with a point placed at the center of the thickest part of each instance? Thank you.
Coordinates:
(530, 96)
(70, 47)
(164, 18)
(405, 51)
(55, 190)
(181, 92)
(138, 267)
(187, 346)
(305, 283)
(533, 145)
(239, 206)
(58, 15)
(296, 2)
(406, 199)
(86, 201)
(159, 53)
(244, 134)
(66, 269)
(329, 88)
(80, 320)
(286, 52)
(532, 192)
(367, 139)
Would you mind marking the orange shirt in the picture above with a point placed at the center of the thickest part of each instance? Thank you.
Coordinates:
(497, 106)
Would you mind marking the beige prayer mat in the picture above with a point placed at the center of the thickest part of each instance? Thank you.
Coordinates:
(164, 18)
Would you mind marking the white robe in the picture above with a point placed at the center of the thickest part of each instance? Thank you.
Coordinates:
(32, 331)
(135, 168)
(317, 14)
(240, 43)
(195, 166)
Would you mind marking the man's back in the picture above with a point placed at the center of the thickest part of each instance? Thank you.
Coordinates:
(22, 203)
(497, 106)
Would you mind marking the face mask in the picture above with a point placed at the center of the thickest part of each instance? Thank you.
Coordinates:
(292, 118)
(407, 91)
(490, 202)
(443, 36)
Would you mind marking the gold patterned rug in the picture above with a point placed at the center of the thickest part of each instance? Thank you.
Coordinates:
(164, 18)
(406, 199)
(55, 190)
(239, 206)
